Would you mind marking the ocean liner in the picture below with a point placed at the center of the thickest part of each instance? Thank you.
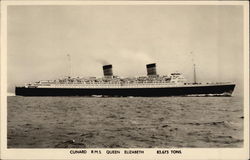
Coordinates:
(151, 85)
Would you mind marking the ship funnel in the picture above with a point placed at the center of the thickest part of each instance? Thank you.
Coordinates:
(107, 70)
(151, 69)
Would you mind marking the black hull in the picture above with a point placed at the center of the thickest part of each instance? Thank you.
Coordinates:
(216, 90)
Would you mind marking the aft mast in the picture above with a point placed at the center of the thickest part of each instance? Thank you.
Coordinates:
(69, 60)
(194, 70)
(194, 75)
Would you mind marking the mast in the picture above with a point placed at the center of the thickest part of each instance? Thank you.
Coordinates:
(194, 68)
(194, 75)
(69, 60)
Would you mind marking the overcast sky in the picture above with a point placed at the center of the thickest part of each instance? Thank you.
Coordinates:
(129, 37)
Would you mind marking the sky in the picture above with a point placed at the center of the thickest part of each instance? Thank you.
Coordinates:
(126, 36)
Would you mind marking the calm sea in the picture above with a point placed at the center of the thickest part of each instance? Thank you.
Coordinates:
(80, 122)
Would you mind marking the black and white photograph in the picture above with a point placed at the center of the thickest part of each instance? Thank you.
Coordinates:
(125, 76)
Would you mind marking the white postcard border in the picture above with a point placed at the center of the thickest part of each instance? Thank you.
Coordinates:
(187, 153)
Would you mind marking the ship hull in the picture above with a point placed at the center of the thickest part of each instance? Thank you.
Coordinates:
(216, 90)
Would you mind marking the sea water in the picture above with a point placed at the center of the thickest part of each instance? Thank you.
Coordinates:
(135, 122)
